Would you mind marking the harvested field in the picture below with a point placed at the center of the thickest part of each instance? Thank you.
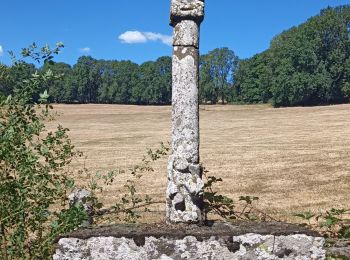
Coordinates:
(294, 159)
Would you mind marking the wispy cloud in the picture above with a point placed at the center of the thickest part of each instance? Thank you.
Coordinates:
(143, 37)
(1, 51)
(85, 50)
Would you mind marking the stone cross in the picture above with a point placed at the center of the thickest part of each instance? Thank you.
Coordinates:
(185, 185)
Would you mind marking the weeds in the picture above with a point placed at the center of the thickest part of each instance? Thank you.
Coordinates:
(334, 223)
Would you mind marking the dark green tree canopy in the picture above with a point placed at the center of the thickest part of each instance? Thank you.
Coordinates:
(305, 65)
(216, 74)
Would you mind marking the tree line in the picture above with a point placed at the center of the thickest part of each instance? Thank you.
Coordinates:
(305, 65)
(124, 82)
(100, 81)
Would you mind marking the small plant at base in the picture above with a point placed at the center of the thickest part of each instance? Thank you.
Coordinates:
(306, 216)
(226, 208)
(332, 223)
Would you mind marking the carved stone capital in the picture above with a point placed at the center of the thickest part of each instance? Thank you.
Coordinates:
(186, 10)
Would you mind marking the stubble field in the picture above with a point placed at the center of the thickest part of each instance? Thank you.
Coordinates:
(293, 159)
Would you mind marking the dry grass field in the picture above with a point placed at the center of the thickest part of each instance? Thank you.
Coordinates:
(294, 159)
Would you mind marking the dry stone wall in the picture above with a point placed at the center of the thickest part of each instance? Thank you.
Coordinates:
(242, 241)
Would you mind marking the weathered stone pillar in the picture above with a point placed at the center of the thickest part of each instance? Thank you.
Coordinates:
(185, 185)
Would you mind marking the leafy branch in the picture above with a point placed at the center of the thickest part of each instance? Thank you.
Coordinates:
(125, 208)
(226, 208)
(332, 223)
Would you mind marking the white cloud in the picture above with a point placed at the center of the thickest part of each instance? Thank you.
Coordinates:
(143, 37)
(166, 39)
(132, 37)
(85, 50)
(1, 51)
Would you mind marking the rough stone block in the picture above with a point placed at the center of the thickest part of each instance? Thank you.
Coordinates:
(186, 33)
(245, 240)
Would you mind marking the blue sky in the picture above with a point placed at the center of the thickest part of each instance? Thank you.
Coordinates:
(138, 30)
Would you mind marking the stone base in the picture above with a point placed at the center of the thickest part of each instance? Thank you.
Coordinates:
(267, 240)
(338, 249)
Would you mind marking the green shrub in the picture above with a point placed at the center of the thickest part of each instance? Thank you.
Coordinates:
(34, 177)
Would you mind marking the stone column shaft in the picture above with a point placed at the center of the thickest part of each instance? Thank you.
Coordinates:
(185, 185)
